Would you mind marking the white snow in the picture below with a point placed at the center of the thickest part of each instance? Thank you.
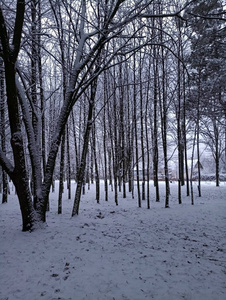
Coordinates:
(122, 252)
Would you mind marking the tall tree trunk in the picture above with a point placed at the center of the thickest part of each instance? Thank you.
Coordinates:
(163, 109)
(179, 137)
(34, 82)
(68, 164)
(217, 155)
(147, 145)
(95, 161)
(155, 134)
(105, 141)
(115, 149)
(142, 129)
(2, 131)
(198, 148)
(192, 162)
(76, 147)
(136, 131)
(18, 173)
(122, 132)
(129, 135)
(42, 98)
(185, 135)
(82, 165)
(61, 181)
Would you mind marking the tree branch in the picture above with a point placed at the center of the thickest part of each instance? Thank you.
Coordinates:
(6, 164)
(18, 27)
(4, 36)
(207, 17)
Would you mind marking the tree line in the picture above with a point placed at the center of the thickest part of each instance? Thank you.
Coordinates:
(110, 90)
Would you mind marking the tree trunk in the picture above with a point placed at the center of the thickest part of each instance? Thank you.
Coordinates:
(179, 137)
(163, 109)
(122, 132)
(95, 161)
(136, 132)
(61, 181)
(191, 176)
(184, 135)
(19, 175)
(82, 166)
(2, 132)
(198, 135)
(68, 164)
(76, 148)
(217, 155)
(155, 137)
(148, 154)
(142, 130)
(105, 142)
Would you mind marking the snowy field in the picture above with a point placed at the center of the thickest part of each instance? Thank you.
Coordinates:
(118, 253)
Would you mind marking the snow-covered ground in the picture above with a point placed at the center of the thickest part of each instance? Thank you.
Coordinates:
(123, 252)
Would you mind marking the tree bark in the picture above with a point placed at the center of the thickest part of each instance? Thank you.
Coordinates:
(82, 166)
(2, 131)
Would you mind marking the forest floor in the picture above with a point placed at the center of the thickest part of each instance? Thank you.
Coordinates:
(119, 252)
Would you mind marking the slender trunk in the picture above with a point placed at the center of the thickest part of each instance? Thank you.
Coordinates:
(75, 144)
(217, 168)
(198, 134)
(110, 168)
(217, 156)
(198, 158)
(116, 146)
(155, 137)
(97, 182)
(95, 162)
(163, 109)
(61, 182)
(122, 132)
(136, 133)
(186, 165)
(191, 176)
(68, 164)
(112, 154)
(91, 168)
(184, 135)
(2, 131)
(142, 131)
(148, 154)
(82, 166)
(87, 170)
(42, 99)
(179, 138)
(105, 142)
(129, 149)
(34, 61)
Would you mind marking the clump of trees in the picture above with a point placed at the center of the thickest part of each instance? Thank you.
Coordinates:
(117, 86)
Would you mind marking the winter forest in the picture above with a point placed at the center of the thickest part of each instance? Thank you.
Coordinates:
(120, 91)
(118, 104)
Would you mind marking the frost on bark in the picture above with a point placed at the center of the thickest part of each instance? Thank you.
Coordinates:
(2, 131)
